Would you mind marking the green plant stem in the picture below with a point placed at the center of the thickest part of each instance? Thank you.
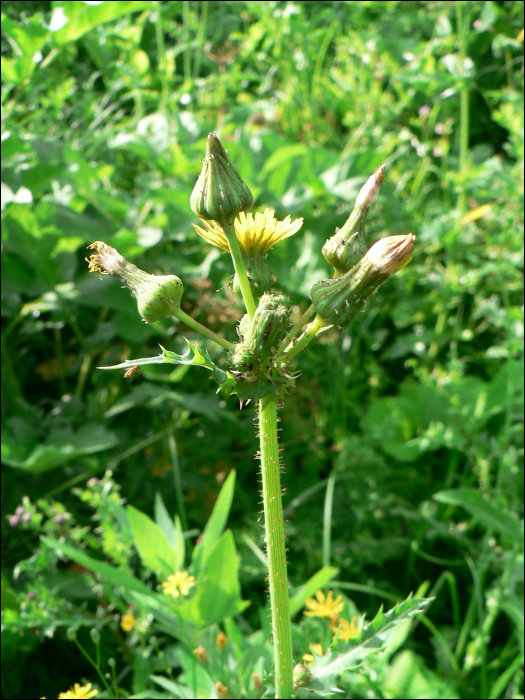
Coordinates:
(296, 328)
(192, 323)
(240, 269)
(275, 546)
(308, 335)
(463, 32)
(327, 518)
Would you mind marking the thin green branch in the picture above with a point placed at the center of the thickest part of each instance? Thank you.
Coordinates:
(309, 334)
(240, 269)
(295, 329)
(192, 323)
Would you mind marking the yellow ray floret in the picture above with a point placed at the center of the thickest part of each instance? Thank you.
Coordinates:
(255, 234)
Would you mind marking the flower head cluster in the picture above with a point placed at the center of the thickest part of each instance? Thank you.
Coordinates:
(179, 583)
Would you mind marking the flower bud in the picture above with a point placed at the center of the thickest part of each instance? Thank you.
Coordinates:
(220, 194)
(157, 295)
(348, 245)
(302, 676)
(340, 299)
(261, 336)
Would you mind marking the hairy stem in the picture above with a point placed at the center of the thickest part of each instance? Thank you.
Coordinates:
(192, 323)
(275, 546)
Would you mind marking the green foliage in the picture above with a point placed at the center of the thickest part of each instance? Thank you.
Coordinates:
(403, 435)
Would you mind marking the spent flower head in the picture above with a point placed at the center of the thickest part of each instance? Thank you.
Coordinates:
(179, 583)
(324, 606)
(157, 295)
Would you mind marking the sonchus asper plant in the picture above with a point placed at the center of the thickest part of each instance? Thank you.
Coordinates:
(260, 366)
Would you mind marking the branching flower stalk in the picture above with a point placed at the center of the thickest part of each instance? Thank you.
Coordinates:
(260, 365)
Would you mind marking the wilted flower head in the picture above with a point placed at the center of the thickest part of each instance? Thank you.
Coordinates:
(220, 193)
(156, 295)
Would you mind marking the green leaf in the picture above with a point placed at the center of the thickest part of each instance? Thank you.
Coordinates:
(372, 637)
(318, 580)
(133, 589)
(73, 19)
(26, 40)
(172, 530)
(152, 544)
(61, 446)
(216, 523)
(218, 590)
(488, 513)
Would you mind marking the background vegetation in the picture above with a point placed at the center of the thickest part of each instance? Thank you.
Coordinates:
(403, 439)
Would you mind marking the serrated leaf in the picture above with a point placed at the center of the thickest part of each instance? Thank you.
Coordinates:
(372, 638)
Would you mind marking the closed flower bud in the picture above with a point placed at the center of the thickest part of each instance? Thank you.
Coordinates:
(261, 335)
(157, 295)
(340, 299)
(348, 246)
(302, 676)
(220, 194)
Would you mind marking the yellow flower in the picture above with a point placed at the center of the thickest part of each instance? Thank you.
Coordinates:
(324, 607)
(255, 234)
(200, 653)
(220, 640)
(317, 650)
(178, 583)
(79, 691)
(128, 622)
(346, 630)
(221, 689)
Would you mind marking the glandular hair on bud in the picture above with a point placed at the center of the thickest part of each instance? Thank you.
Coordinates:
(220, 193)
(340, 299)
(157, 295)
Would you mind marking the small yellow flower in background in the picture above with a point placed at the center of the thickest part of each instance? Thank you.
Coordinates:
(128, 622)
(179, 583)
(346, 630)
(78, 691)
(324, 606)
(221, 689)
(309, 658)
(200, 653)
(255, 234)
(220, 640)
